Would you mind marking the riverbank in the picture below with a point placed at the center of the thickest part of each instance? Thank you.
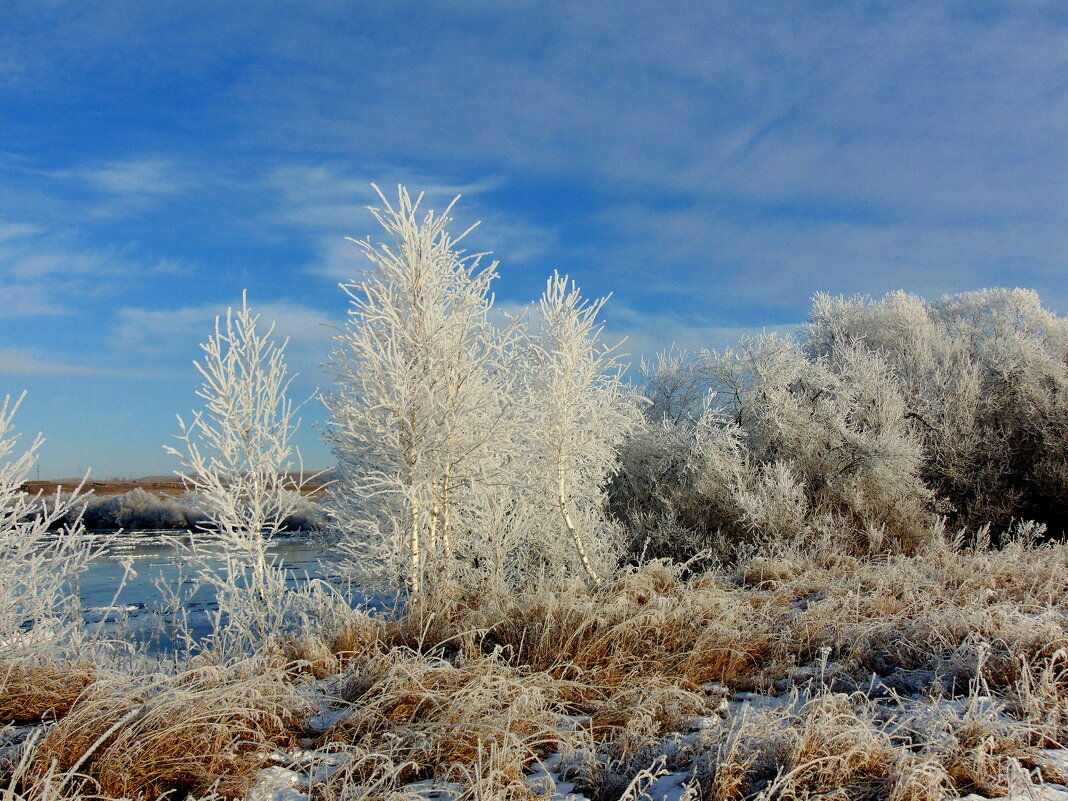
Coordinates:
(157, 485)
(140, 509)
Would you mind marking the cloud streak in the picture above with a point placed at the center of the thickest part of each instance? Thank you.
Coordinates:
(29, 362)
(45, 273)
(326, 204)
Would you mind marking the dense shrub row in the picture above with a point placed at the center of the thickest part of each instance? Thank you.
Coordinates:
(879, 418)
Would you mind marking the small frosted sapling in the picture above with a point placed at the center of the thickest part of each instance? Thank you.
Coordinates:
(43, 550)
(239, 460)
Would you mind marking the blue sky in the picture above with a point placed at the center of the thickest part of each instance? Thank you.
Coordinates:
(712, 164)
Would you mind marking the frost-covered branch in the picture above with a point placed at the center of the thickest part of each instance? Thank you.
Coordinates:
(43, 550)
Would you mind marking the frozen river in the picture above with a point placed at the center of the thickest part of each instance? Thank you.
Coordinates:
(150, 561)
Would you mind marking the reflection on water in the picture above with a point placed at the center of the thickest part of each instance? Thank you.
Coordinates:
(160, 559)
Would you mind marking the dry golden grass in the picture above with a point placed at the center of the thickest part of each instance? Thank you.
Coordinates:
(908, 678)
(309, 655)
(30, 693)
(367, 775)
(829, 747)
(358, 636)
(642, 626)
(435, 717)
(638, 656)
(203, 730)
(836, 746)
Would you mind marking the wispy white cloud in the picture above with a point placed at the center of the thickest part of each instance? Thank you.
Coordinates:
(172, 336)
(59, 274)
(28, 299)
(127, 187)
(28, 361)
(638, 335)
(709, 256)
(145, 177)
(13, 230)
(330, 203)
(336, 257)
(47, 272)
(750, 158)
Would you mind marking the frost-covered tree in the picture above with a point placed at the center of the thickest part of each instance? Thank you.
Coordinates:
(575, 411)
(676, 386)
(241, 466)
(419, 411)
(43, 550)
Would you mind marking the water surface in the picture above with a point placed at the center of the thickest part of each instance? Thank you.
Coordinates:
(132, 588)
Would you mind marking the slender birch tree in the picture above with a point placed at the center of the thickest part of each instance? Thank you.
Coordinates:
(578, 410)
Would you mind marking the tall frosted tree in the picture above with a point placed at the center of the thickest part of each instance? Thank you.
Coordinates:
(419, 409)
(576, 410)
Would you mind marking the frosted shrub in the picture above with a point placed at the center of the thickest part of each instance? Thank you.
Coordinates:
(676, 386)
(885, 412)
(985, 383)
(138, 510)
(306, 515)
(786, 445)
(239, 462)
(420, 404)
(39, 568)
(652, 495)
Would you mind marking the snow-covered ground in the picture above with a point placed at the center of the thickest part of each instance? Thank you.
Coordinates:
(290, 776)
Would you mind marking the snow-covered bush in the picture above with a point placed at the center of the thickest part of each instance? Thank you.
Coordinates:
(968, 394)
(139, 510)
(985, 383)
(676, 386)
(306, 515)
(237, 452)
(785, 445)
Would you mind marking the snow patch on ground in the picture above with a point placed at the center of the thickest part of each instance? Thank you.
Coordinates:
(279, 784)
